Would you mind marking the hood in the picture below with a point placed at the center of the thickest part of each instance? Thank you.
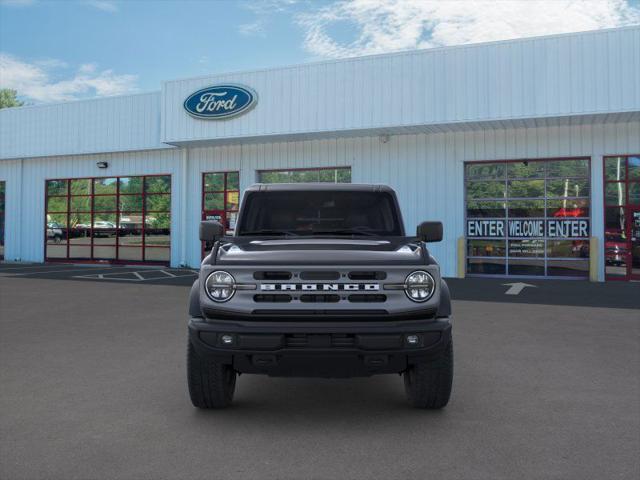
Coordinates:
(320, 251)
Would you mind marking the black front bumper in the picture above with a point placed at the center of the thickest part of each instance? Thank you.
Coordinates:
(319, 349)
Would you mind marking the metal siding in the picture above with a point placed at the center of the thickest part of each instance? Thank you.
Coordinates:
(90, 126)
(555, 76)
(426, 170)
(11, 174)
(26, 221)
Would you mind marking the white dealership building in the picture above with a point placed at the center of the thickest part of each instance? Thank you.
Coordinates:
(527, 150)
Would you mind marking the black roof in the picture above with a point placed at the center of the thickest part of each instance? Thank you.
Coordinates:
(340, 187)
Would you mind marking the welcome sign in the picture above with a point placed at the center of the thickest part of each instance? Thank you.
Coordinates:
(219, 102)
(529, 228)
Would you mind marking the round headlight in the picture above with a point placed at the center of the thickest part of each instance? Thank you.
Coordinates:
(220, 286)
(419, 286)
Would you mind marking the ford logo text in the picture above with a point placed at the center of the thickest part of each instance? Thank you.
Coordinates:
(220, 101)
(325, 287)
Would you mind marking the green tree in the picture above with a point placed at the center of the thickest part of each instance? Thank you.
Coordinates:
(8, 98)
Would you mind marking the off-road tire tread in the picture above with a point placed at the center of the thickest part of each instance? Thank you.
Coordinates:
(428, 384)
(211, 384)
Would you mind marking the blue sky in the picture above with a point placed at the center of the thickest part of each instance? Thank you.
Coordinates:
(63, 50)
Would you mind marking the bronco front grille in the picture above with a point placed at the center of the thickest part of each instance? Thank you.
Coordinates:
(336, 340)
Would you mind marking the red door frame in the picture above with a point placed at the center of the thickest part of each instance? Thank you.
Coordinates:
(631, 209)
(628, 216)
(91, 212)
(225, 192)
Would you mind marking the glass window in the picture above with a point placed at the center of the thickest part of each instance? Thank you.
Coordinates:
(615, 168)
(486, 266)
(81, 186)
(80, 204)
(94, 228)
(633, 168)
(526, 248)
(568, 208)
(568, 248)
(485, 171)
(621, 218)
(130, 203)
(521, 214)
(525, 188)
(214, 201)
(214, 182)
(220, 199)
(485, 209)
(568, 268)
(233, 201)
(155, 254)
(486, 248)
(59, 219)
(525, 169)
(56, 187)
(158, 203)
(485, 189)
(57, 204)
(158, 184)
(312, 175)
(233, 181)
(519, 266)
(526, 208)
(634, 193)
(568, 188)
(105, 186)
(130, 184)
(614, 193)
(568, 168)
(105, 203)
(614, 219)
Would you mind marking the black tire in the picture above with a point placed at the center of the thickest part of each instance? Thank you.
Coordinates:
(428, 384)
(211, 384)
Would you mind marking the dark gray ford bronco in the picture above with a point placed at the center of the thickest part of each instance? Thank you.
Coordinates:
(319, 280)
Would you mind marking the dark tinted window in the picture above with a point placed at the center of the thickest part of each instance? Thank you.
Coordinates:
(317, 213)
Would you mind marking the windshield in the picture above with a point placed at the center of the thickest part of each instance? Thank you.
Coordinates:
(319, 213)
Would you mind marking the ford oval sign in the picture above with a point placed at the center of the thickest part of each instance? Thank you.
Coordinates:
(220, 101)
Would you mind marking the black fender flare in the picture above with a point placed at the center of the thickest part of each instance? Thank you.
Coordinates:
(194, 300)
(444, 309)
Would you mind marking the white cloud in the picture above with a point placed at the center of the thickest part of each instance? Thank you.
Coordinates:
(252, 29)
(104, 5)
(269, 6)
(36, 81)
(389, 25)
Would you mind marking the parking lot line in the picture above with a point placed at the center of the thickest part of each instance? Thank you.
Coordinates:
(139, 276)
(40, 272)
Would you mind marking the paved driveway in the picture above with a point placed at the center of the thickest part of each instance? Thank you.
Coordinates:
(92, 386)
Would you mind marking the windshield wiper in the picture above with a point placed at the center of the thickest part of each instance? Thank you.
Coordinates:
(348, 231)
(270, 232)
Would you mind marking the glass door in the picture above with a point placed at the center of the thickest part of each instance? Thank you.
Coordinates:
(634, 247)
(622, 217)
(220, 200)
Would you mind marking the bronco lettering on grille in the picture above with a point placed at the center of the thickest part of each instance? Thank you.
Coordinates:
(324, 287)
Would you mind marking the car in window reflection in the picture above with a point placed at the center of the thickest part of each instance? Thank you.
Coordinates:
(102, 228)
(570, 212)
(54, 232)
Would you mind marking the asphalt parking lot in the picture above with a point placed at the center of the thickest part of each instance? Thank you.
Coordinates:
(92, 386)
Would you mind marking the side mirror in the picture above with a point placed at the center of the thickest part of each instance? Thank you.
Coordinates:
(430, 231)
(210, 231)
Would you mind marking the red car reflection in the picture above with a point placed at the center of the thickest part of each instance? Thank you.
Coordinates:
(570, 212)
